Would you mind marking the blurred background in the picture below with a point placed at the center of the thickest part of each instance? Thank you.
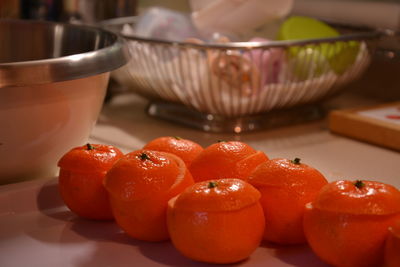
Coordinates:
(379, 13)
(381, 80)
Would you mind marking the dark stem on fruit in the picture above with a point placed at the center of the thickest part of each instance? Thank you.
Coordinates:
(89, 146)
(359, 184)
(296, 161)
(212, 184)
(144, 156)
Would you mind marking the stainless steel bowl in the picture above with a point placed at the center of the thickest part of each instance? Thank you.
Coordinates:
(53, 79)
(47, 52)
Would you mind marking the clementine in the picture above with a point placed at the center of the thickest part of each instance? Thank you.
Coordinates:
(232, 159)
(347, 223)
(186, 149)
(285, 186)
(216, 221)
(82, 171)
(392, 246)
(140, 185)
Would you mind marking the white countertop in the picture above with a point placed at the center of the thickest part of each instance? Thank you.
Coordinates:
(37, 229)
(124, 123)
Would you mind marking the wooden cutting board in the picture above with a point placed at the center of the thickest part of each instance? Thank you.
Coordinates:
(378, 125)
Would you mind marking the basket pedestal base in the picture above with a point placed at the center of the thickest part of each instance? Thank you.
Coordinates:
(218, 124)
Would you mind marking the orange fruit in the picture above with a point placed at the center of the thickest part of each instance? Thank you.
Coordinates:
(347, 223)
(140, 185)
(186, 149)
(82, 171)
(232, 159)
(285, 186)
(216, 221)
(392, 246)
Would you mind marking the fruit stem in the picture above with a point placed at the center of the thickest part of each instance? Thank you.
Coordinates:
(178, 137)
(296, 161)
(144, 156)
(212, 184)
(221, 141)
(359, 184)
(89, 146)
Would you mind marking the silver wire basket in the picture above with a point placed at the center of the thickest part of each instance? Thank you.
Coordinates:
(244, 85)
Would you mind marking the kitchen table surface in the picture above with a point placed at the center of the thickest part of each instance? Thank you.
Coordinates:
(124, 123)
(36, 229)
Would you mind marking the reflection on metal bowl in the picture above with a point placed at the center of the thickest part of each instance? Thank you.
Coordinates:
(53, 79)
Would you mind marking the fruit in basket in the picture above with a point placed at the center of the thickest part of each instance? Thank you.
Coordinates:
(140, 185)
(285, 186)
(346, 56)
(230, 69)
(340, 54)
(392, 246)
(347, 223)
(82, 171)
(186, 149)
(302, 28)
(236, 70)
(269, 61)
(226, 159)
(216, 221)
(308, 64)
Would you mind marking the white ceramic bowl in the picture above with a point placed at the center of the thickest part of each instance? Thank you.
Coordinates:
(53, 79)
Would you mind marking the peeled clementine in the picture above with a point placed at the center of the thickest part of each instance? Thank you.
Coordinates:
(82, 171)
(392, 246)
(232, 159)
(140, 185)
(347, 223)
(186, 149)
(285, 186)
(216, 221)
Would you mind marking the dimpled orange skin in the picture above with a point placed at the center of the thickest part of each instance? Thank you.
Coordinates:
(186, 149)
(232, 159)
(347, 225)
(140, 187)
(285, 188)
(392, 246)
(81, 176)
(222, 224)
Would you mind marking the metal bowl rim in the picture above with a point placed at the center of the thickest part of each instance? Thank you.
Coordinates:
(363, 33)
(65, 67)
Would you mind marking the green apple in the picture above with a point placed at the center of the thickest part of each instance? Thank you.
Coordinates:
(308, 63)
(340, 54)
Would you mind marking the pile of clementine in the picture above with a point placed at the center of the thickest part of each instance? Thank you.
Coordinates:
(82, 171)
(216, 221)
(232, 159)
(186, 149)
(392, 246)
(140, 185)
(217, 203)
(347, 223)
(286, 186)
